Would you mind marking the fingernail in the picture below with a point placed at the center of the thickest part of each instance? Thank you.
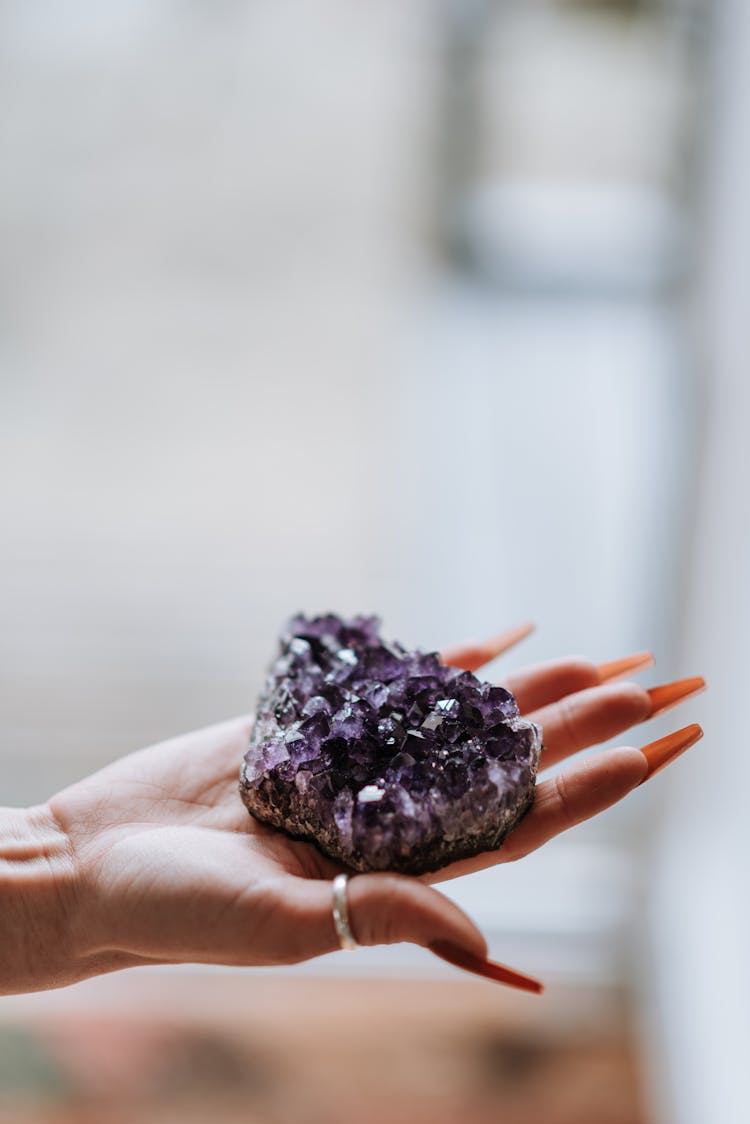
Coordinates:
(668, 695)
(489, 969)
(626, 666)
(661, 752)
(474, 656)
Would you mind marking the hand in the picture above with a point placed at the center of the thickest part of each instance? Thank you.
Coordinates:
(166, 865)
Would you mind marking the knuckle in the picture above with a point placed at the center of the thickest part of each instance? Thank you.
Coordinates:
(569, 718)
(374, 913)
(563, 798)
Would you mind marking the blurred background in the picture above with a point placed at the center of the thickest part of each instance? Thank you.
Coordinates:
(435, 309)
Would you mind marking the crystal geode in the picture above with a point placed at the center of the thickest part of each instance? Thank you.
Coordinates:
(385, 758)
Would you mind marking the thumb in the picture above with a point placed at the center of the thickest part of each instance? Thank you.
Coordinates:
(387, 909)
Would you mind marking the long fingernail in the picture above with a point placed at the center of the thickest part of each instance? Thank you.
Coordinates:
(661, 752)
(474, 656)
(629, 665)
(460, 958)
(668, 695)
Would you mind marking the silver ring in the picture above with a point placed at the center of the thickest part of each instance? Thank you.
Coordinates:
(341, 913)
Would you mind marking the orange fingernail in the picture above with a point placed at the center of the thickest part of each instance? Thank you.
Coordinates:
(668, 695)
(470, 657)
(661, 752)
(626, 666)
(460, 958)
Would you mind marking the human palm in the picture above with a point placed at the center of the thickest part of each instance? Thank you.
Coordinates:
(169, 866)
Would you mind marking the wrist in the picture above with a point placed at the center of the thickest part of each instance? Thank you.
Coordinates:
(39, 892)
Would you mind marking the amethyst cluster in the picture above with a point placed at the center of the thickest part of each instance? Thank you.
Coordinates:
(385, 758)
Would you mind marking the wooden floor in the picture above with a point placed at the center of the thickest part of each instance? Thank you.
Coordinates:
(316, 1051)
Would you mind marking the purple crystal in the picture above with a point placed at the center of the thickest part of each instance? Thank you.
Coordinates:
(385, 758)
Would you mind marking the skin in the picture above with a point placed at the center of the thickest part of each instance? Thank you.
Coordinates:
(154, 859)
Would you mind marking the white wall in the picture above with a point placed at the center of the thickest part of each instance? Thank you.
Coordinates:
(699, 994)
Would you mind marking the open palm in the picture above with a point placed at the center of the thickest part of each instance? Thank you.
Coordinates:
(169, 867)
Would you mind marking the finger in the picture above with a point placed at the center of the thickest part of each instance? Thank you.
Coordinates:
(390, 908)
(590, 786)
(470, 657)
(589, 717)
(383, 909)
(580, 792)
(594, 716)
(545, 683)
